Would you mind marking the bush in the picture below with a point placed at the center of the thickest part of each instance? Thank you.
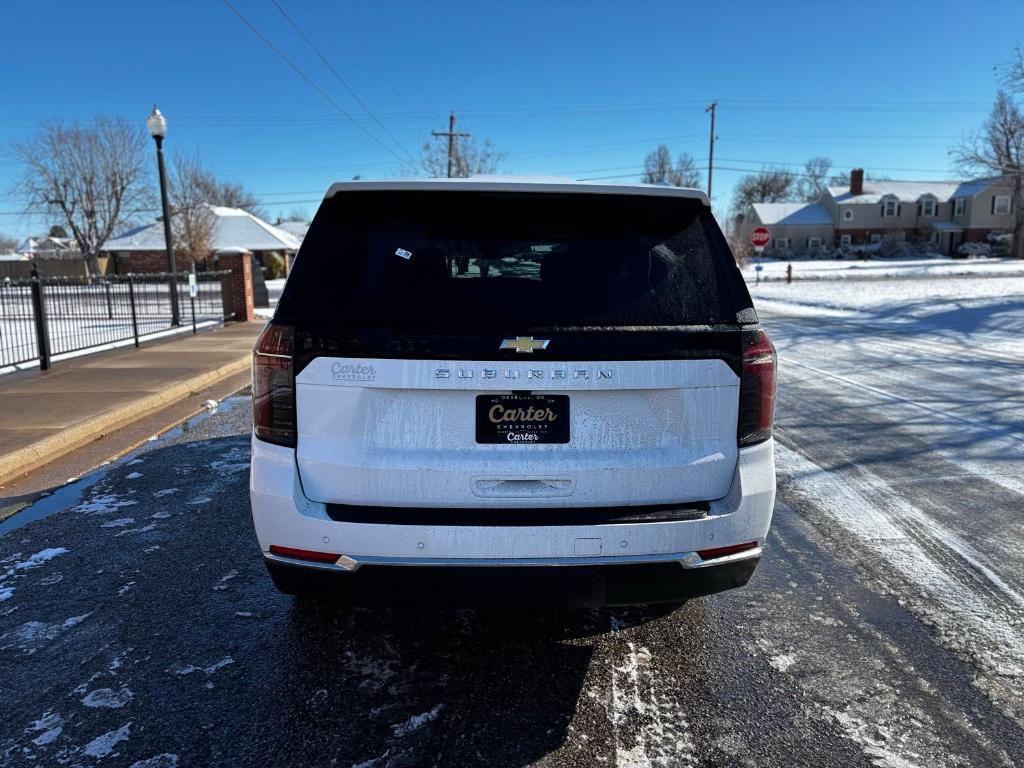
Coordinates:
(1002, 245)
(974, 250)
(274, 266)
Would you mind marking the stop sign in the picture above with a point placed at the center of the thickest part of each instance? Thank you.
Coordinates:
(760, 237)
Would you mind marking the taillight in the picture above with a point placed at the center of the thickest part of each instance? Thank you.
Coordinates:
(757, 389)
(273, 386)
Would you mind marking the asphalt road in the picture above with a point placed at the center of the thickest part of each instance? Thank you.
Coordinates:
(138, 627)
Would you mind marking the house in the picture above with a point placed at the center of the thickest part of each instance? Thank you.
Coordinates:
(796, 227)
(143, 250)
(295, 228)
(940, 214)
(46, 246)
(943, 214)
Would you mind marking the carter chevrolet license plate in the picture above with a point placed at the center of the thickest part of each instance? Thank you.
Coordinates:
(522, 419)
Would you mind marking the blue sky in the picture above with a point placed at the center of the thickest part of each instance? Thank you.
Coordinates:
(583, 89)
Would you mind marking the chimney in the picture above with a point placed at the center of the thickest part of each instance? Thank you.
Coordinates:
(857, 181)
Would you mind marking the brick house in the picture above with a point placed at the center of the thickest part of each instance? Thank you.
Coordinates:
(142, 249)
(942, 214)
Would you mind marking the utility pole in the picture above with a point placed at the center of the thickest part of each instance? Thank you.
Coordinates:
(711, 148)
(452, 135)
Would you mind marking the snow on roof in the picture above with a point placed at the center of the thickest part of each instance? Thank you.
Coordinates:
(792, 213)
(972, 188)
(296, 229)
(232, 228)
(909, 191)
(946, 226)
(519, 184)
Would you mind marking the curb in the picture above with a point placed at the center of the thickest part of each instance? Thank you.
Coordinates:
(43, 451)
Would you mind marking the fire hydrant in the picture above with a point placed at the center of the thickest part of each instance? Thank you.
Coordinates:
(789, 274)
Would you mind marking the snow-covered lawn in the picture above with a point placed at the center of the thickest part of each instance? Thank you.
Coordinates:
(977, 310)
(840, 269)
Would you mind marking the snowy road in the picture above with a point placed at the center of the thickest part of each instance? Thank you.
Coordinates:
(884, 627)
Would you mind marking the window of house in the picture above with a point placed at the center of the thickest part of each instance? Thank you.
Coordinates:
(848, 214)
(781, 243)
(876, 238)
(1001, 205)
(959, 206)
(845, 240)
(889, 208)
(813, 242)
(927, 207)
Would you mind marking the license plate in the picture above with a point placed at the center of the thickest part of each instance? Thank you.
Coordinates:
(522, 419)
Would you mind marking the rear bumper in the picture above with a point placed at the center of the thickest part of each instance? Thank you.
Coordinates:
(660, 555)
(578, 586)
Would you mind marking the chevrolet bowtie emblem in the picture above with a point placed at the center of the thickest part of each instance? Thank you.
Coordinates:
(524, 344)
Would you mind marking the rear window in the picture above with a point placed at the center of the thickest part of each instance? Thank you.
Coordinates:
(461, 260)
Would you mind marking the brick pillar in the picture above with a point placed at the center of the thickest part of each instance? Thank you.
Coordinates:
(236, 288)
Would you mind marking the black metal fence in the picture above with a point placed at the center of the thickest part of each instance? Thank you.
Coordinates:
(45, 317)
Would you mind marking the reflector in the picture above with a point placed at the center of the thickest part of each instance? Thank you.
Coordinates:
(732, 549)
(303, 554)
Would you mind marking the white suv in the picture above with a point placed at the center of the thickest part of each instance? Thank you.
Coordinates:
(497, 390)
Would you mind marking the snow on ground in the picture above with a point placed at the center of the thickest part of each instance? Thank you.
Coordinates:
(845, 269)
(936, 364)
(274, 288)
(960, 309)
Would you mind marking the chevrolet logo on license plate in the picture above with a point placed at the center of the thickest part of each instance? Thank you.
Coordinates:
(524, 344)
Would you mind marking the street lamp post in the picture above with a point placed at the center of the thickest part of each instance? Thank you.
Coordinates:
(157, 125)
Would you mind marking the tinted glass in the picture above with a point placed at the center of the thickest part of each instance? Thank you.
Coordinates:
(466, 260)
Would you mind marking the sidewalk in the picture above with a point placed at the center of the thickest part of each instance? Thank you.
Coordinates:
(46, 414)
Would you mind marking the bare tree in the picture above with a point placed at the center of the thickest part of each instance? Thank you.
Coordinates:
(657, 166)
(468, 158)
(998, 148)
(815, 178)
(770, 185)
(658, 169)
(685, 174)
(92, 177)
(193, 221)
(7, 244)
(230, 195)
(1012, 72)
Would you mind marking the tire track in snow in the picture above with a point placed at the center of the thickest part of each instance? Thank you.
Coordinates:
(1016, 437)
(940, 578)
(647, 731)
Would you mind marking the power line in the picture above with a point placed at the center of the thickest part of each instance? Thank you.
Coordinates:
(372, 54)
(312, 84)
(437, 54)
(340, 79)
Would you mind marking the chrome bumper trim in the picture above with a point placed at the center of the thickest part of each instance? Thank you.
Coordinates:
(350, 564)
